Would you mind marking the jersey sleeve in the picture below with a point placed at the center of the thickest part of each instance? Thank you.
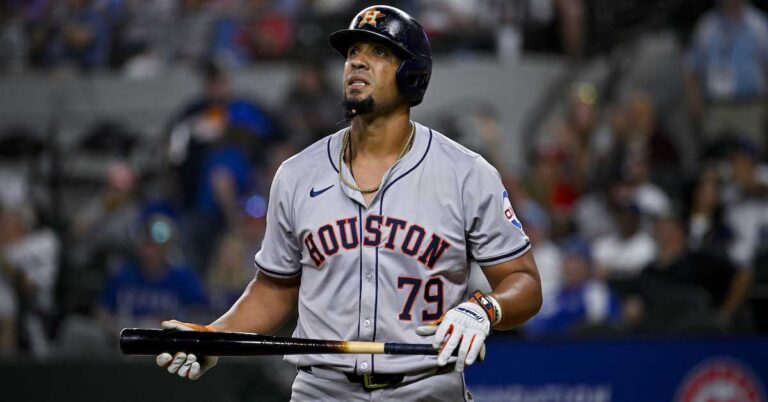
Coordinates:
(280, 255)
(494, 234)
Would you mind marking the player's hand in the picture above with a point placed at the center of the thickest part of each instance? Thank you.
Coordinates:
(466, 326)
(186, 365)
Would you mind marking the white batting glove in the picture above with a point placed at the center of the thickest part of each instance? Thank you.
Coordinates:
(467, 324)
(186, 365)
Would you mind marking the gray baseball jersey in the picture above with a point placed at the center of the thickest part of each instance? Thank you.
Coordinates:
(376, 273)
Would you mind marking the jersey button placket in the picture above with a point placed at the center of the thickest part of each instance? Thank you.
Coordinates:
(367, 303)
(366, 323)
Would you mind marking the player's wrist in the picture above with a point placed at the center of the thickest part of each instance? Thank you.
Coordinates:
(490, 305)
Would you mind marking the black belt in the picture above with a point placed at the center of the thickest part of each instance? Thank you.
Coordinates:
(372, 382)
(369, 382)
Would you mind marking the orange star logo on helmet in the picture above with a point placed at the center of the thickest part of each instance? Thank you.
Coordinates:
(369, 18)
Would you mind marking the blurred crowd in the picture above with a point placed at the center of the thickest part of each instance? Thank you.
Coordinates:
(142, 38)
(627, 239)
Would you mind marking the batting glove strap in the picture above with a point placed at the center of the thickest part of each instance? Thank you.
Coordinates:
(489, 304)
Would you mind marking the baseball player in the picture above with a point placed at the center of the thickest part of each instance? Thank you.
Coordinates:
(370, 233)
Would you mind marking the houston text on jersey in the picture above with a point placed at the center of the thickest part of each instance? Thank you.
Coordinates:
(388, 232)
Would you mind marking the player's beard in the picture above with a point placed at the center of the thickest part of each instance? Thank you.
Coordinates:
(353, 107)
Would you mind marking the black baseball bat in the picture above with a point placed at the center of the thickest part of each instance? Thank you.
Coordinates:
(141, 341)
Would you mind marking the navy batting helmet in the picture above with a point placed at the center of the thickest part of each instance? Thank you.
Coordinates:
(404, 34)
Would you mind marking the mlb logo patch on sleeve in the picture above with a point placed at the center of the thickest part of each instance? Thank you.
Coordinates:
(509, 213)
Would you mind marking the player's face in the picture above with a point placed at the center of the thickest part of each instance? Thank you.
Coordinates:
(369, 72)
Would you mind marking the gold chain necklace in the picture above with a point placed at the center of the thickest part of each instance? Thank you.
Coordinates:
(368, 190)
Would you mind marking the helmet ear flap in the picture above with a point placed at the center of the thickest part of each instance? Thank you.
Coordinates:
(413, 78)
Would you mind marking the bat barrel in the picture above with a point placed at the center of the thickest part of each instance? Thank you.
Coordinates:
(136, 341)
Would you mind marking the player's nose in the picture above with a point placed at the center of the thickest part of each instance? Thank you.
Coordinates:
(358, 61)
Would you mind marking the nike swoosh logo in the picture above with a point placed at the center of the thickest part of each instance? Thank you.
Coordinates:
(313, 193)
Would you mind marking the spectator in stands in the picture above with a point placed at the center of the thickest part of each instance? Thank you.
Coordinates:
(677, 263)
(154, 284)
(476, 125)
(583, 300)
(746, 200)
(621, 256)
(606, 155)
(215, 146)
(549, 184)
(100, 227)
(726, 70)
(84, 36)
(649, 197)
(142, 29)
(232, 264)
(264, 33)
(555, 25)
(225, 46)
(189, 36)
(575, 137)
(29, 264)
(591, 211)
(310, 107)
(634, 134)
(681, 285)
(592, 216)
(707, 227)
(646, 137)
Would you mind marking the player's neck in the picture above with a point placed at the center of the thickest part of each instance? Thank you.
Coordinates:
(380, 136)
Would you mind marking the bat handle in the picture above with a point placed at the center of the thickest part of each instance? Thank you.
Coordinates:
(412, 349)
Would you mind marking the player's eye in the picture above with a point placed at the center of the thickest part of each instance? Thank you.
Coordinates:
(352, 50)
(380, 51)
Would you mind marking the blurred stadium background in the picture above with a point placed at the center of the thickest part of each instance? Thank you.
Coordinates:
(138, 139)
